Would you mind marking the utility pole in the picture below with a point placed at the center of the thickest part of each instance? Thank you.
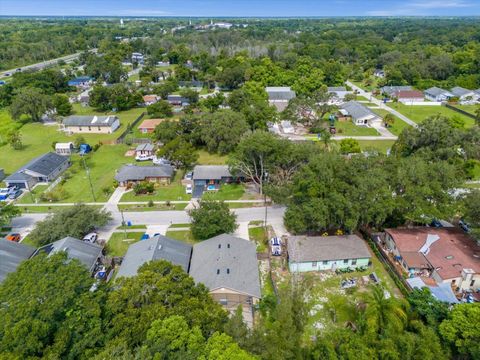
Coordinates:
(89, 179)
(265, 202)
(124, 224)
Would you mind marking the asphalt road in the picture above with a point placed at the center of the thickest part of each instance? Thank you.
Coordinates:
(44, 64)
(25, 223)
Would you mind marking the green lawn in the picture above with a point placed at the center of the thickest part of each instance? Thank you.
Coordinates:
(205, 158)
(156, 207)
(397, 126)
(420, 113)
(177, 226)
(348, 128)
(132, 227)
(31, 197)
(226, 192)
(468, 108)
(171, 192)
(258, 235)
(380, 145)
(181, 235)
(117, 245)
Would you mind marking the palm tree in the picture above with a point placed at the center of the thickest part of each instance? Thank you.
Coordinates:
(389, 120)
(383, 313)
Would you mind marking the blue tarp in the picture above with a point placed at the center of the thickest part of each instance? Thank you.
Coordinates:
(442, 292)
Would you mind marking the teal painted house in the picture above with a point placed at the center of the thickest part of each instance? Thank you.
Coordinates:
(322, 253)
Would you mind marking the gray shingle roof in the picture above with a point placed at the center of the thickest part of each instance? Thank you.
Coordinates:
(279, 93)
(226, 261)
(357, 110)
(136, 173)
(11, 255)
(144, 147)
(210, 172)
(390, 90)
(435, 91)
(76, 120)
(87, 253)
(43, 165)
(322, 248)
(155, 248)
(459, 91)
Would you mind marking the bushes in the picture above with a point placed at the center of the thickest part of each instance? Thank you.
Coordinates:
(144, 187)
(54, 195)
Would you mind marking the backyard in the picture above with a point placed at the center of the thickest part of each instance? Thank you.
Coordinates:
(118, 245)
(380, 145)
(229, 192)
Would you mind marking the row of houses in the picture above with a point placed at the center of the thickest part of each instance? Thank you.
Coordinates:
(407, 94)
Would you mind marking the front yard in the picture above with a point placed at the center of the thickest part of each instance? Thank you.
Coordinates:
(397, 126)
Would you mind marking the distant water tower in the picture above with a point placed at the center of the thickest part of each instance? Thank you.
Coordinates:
(121, 22)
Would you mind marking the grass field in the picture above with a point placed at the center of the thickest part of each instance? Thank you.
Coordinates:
(181, 235)
(117, 245)
(348, 128)
(156, 207)
(380, 145)
(258, 235)
(172, 192)
(205, 158)
(420, 113)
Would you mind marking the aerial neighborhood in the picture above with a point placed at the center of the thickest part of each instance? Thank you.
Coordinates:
(184, 188)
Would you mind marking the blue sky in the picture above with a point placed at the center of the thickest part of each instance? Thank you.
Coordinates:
(286, 8)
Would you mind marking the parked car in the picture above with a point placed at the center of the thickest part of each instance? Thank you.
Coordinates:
(436, 223)
(189, 189)
(91, 237)
(189, 175)
(6, 192)
(464, 225)
(161, 161)
(15, 194)
(143, 157)
(13, 237)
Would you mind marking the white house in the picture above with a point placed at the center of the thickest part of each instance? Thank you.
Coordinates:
(465, 96)
(360, 114)
(437, 94)
(91, 124)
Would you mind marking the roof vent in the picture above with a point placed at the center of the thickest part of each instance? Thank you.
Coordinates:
(449, 257)
(219, 246)
(228, 245)
(228, 271)
(218, 271)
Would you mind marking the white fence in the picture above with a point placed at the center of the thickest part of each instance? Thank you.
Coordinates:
(422, 103)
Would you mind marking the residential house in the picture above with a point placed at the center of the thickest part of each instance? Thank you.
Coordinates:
(130, 175)
(177, 100)
(64, 148)
(391, 90)
(90, 255)
(448, 255)
(359, 113)
(409, 96)
(91, 124)
(84, 97)
(379, 73)
(465, 96)
(145, 150)
(81, 82)
(150, 99)
(148, 126)
(158, 247)
(42, 169)
(338, 92)
(437, 94)
(280, 96)
(210, 177)
(228, 267)
(11, 256)
(442, 292)
(320, 253)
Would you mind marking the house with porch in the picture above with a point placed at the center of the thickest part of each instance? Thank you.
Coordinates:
(359, 114)
(129, 175)
(228, 267)
(322, 253)
(146, 149)
(42, 169)
(465, 96)
(391, 90)
(447, 255)
(409, 96)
